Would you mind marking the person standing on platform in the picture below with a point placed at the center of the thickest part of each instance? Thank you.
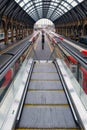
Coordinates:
(42, 40)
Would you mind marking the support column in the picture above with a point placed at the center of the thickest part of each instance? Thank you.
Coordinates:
(22, 32)
(12, 32)
(6, 33)
(16, 32)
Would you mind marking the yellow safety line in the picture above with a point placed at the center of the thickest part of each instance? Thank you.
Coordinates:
(30, 49)
(58, 53)
(57, 50)
(46, 90)
(51, 49)
(46, 105)
(36, 43)
(47, 129)
(35, 46)
(44, 80)
(45, 72)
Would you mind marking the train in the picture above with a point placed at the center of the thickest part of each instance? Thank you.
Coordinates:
(70, 61)
(34, 36)
(10, 62)
(83, 39)
(82, 79)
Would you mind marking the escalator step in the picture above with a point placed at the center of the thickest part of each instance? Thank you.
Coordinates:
(47, 117)
(52, 85)
(45, 97)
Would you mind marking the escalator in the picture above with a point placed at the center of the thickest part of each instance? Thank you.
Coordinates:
(46, 105)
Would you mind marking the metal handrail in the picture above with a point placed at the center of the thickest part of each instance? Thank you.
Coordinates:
(79, 57)
(4, 68)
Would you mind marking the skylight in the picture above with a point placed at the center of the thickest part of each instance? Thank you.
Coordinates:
(52, 9)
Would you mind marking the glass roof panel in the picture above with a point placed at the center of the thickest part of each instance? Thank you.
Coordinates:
(17, 1)
(80, 0)
(74, 3)
(22, 4)
(26, 1)
(51, 9)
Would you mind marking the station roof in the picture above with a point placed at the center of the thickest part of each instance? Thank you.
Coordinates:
(50, 9)
(30, 11)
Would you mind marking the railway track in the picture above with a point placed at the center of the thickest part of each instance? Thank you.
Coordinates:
(14, 45)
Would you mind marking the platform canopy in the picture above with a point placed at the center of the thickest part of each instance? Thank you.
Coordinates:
(50, 9)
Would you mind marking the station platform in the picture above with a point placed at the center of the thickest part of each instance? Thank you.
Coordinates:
(40, 53)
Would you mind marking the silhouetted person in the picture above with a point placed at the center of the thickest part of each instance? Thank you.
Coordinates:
(42, 41)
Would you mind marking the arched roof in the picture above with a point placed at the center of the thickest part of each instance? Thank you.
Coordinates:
(11, 9)
(30, 11)
(77, 13)
(50, 9)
